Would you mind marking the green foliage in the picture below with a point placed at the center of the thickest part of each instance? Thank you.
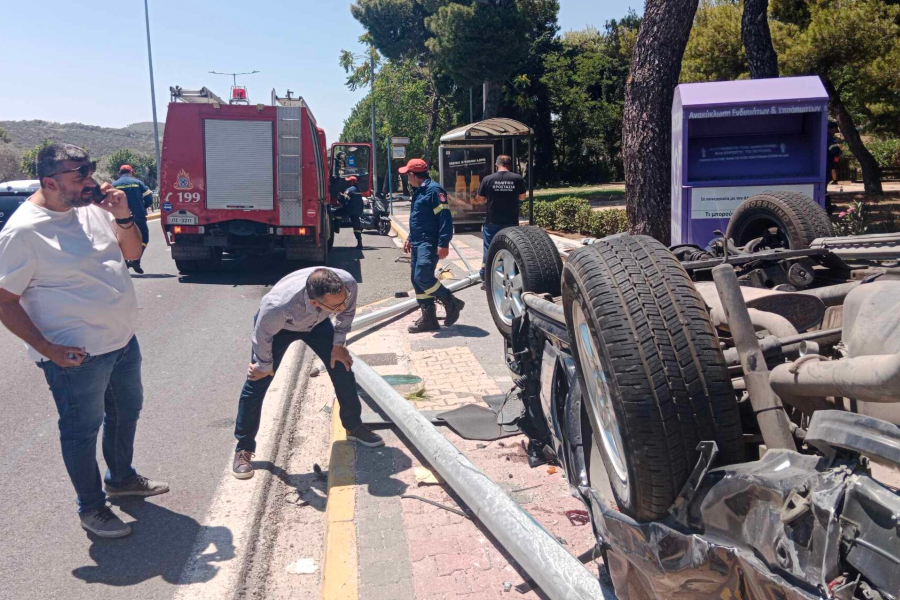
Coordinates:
(10, 163)
(403, 106)
(4, 136)
(586, 77)
(856, 45)
(144, 166)
(886, 152)
(476, 42)
(29, 159)
(574, 215)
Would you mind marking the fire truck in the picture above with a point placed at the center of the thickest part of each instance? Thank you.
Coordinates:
(250, 179)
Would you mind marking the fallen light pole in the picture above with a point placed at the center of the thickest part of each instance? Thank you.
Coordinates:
(407, 305)
(559, 574)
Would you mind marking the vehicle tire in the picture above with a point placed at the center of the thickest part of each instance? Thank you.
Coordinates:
(520, 259)
(384, 226)
(798, 217)
(652, 375)
(187, 266)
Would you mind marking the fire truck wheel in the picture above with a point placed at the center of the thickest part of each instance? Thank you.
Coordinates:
(519, 259)
(653, 378)
(796, 218)
(187, 266)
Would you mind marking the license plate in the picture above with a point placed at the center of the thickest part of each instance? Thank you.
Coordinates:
(182, 220)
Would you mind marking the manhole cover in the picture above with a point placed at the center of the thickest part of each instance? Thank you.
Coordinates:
(402, 379)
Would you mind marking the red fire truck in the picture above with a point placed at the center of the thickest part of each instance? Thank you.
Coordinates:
(251, 179)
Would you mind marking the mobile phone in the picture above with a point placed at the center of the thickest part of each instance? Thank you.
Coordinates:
(97, 196)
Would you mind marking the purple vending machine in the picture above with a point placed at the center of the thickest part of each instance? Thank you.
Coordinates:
(734, 139)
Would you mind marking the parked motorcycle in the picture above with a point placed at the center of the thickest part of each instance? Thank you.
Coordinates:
(374, 217)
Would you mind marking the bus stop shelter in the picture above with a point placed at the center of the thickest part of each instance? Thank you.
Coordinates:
(467, 156)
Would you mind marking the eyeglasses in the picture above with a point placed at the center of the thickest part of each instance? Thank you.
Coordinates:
(336, 306)
(84, 171)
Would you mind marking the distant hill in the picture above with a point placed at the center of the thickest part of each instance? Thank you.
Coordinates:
(99, 141)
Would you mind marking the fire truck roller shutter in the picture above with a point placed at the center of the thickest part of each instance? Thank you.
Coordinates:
(239, 170)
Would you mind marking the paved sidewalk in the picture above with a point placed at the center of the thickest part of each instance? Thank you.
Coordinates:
(407, 549)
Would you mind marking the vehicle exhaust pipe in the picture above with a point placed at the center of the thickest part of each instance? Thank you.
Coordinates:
(867, 378)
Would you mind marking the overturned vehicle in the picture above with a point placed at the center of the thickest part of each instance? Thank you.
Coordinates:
(729, 414)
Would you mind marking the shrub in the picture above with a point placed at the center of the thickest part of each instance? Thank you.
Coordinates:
(573, 215)
(567, 210)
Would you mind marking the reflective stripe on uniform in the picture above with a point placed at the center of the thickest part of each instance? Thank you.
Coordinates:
(441, 207)
(423, 296)
(433, 288)
(147, 193)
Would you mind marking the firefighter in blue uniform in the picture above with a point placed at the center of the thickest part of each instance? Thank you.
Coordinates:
(353, 208)
(430, 231)
(140, 198)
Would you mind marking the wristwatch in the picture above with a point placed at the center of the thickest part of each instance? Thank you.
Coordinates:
(126, 220)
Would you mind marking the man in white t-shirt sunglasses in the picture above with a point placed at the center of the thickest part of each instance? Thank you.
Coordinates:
(65, 290)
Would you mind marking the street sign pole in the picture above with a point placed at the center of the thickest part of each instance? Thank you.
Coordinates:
(374, 138)
(153, 97)
(390, 178)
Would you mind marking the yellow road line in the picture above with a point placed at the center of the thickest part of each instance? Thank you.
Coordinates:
(401, 233)
(340, 572)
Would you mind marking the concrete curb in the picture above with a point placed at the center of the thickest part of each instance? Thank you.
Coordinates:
(340, 557)
(154, 217)
(242, 517)
(401, 233)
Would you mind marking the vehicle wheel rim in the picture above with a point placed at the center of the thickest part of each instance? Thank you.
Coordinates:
(599, 396)
(507, 287)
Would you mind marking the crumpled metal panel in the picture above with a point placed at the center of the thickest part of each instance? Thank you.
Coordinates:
(757, 531)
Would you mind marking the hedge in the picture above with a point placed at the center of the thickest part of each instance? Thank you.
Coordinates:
(574, 215)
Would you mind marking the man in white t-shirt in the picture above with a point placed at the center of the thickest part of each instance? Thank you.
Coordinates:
(65, 290)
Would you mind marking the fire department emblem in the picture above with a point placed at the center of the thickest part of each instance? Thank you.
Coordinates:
(442, 197)
(183, 181)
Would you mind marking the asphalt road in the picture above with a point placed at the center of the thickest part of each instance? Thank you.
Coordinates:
(194, 334)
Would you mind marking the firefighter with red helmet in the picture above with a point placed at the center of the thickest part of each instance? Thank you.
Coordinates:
(430, 232)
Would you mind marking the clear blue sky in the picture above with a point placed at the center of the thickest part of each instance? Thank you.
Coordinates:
(87, 62)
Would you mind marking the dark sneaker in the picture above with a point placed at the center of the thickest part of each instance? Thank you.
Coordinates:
(365, 436)
(427, 322)
(139, 487)
(104, 523)
(242, 467)
(453, 308)
(136, 265)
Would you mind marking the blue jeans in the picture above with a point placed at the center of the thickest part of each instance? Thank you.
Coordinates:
(104, 389)
(320, 340)
(488, 231)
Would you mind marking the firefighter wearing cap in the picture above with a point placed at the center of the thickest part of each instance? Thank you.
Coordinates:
(353, 208)
(140, 198)
(430, 231)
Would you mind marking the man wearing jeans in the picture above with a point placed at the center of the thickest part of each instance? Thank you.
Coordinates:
(298, 308)
(502, 191)
(65, 290)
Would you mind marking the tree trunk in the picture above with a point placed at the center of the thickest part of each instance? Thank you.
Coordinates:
(492, 99)
(647, 123)
(433, 109)
(758, 40)
(871, 172)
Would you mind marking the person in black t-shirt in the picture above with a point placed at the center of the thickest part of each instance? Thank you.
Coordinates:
(502, 191)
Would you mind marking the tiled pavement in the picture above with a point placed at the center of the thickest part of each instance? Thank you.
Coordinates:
(408, 549)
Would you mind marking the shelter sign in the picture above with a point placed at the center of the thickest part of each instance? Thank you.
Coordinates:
(462, 170)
